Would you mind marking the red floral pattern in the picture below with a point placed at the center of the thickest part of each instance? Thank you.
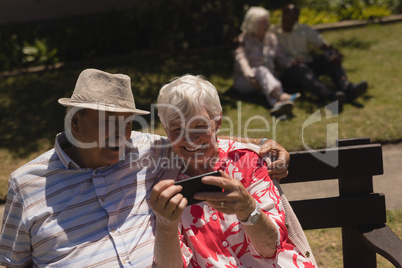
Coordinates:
(213, 239)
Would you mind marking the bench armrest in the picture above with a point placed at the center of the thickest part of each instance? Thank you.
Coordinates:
(382, 240)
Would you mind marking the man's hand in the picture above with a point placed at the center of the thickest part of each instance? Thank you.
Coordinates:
(334, 56)
(278, 168)
(253, 82)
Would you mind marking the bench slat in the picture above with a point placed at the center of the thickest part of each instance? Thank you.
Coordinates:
(354, 161)
(360, 212)
(340, 211)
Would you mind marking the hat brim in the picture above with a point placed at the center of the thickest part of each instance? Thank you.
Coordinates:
(100, 107)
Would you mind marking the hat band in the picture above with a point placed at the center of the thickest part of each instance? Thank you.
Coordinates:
(119, 104)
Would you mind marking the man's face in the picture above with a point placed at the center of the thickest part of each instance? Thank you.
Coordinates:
(289, 18)
(108, 131)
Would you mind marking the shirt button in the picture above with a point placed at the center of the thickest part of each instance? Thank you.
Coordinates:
(214, 217)
(225, 244)
(307, 254)
(113, 230)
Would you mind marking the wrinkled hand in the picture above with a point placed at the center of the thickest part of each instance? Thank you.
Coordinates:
(278, 168)
(236, 199)
(253, 82)
(298, 60)
(168, 204)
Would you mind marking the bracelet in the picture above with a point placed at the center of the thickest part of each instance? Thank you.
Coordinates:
(262, 141)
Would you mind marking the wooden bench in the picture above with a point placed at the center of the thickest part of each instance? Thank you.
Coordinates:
(359, 211)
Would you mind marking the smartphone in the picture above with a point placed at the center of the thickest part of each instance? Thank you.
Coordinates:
(194, 185)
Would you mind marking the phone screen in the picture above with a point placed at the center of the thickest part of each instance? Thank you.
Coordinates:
(194, 185)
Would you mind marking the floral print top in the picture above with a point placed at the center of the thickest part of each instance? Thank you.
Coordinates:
(210, 238)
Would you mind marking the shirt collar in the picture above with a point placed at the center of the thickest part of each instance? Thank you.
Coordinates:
(280, 30)
(61, 144)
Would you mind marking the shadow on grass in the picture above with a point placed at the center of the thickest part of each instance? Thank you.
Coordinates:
(354, 42)
(29, 109)
(31, 114)
(230, 98)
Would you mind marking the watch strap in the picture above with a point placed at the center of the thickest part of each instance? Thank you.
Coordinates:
(254, 216)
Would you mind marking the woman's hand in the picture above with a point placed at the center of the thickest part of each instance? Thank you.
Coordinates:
(168, 204)
(234, 200)
(278, 168)
(253, 82)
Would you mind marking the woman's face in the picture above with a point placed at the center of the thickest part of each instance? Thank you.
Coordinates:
(262, 27)
(195, 140)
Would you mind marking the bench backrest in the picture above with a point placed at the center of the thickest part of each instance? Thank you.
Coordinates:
(360, 212)
(358, 162)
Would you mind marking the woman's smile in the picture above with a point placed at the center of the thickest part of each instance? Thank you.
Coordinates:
(195, 148)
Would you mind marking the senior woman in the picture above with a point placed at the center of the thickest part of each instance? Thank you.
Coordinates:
(243, 226)
(255, 58)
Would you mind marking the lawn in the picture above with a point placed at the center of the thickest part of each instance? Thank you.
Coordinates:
(31, 117)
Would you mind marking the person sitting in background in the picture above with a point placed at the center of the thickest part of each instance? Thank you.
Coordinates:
(84, 203)
(243, 226)
(304, 71)
(254, 62)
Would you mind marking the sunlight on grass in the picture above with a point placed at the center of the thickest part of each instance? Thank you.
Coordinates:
(28, 102)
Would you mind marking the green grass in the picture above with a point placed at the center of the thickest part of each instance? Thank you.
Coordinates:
(326, 244)
(31, 117)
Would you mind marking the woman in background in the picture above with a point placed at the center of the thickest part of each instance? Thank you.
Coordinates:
(255, 56)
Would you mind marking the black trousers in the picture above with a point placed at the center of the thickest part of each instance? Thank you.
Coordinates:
(306, 76)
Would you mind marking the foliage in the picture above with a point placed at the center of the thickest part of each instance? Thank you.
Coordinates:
(158, 25)
(309, 16)
(358, 11)
(28, 101)
(39, 53)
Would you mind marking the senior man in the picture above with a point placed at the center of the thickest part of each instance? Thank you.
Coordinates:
(85, 203)
(296, 39)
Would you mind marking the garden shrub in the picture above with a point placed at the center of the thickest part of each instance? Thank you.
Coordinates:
(159, 26)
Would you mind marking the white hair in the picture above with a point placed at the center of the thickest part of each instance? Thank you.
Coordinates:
(253, 15)
(187, 96)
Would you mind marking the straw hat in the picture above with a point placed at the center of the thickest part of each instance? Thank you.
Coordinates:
(103, 91)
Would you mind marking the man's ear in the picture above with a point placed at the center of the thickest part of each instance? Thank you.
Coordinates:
(75, 124)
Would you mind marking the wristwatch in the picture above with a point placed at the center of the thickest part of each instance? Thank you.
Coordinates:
(254, 216)
(262, 141)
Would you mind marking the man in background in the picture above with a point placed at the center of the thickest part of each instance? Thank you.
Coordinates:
(295, 40)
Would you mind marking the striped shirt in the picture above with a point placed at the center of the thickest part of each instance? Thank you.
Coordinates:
(60, 215)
